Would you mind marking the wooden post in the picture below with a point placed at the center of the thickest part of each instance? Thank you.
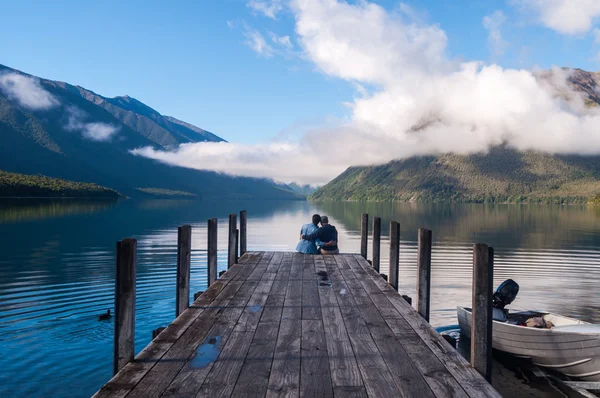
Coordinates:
(231, 241)
(376, 243)
(481, 322)
(364, 235)
(124, 345)
(212, 250)
(243, 233)
(237, 245)
(394, 254)
(184, 254)
(157, 331)
(424, 273)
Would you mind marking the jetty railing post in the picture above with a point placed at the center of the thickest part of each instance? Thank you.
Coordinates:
(376, 243)
(364, 234)
(124, 344)
(184, 254)
(424, 272)
(394, 254)
(243, 233)
(481, 322)
(237, 245)
(212, 250)
(231, 240)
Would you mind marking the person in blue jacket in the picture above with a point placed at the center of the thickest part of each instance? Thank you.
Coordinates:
(328, 234)
(307, 246)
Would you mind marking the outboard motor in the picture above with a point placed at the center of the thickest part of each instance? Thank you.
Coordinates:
(505, 294)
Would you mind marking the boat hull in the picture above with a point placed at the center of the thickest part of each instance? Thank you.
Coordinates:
(574, 354)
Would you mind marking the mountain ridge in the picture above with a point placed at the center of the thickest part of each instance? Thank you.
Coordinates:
(502, 175)
(74, 134)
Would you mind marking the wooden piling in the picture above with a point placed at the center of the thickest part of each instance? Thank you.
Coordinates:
(243, 233)
(424, 272)
(231, 240)
(481, 323)
(184, 253)
(212, 250)
(124, 344)
(198, 294)
(376, 243)
(157, 331)
(394, 254)
(237, 245)
(364, 235)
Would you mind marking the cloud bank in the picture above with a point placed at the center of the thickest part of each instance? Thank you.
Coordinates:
(93, 131)
(27, 91)
(570, 17)
(421, 101)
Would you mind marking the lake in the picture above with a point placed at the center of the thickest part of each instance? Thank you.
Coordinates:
(57, 268)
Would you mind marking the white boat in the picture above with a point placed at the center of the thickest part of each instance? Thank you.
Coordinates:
(570, 346)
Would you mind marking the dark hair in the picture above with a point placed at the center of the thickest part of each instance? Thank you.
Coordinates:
(316, 219)
(324, 220)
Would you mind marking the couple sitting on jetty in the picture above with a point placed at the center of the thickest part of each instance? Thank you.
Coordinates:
(315, 240)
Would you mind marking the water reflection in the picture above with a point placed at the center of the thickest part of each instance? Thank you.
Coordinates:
(57, 268)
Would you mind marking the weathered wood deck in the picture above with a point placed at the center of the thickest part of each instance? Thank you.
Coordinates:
(287, 324)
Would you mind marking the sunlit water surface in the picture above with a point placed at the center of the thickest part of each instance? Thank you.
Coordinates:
(57, 269)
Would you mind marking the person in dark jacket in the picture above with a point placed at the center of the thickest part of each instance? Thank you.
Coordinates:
(327, 233)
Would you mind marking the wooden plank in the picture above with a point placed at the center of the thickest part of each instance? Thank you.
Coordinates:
(315, 377)
(254, 376)
(342, 363)
(184, 254)
(481, 332)
(284, 379)
(231, 240)
(376, 243)
(364, 234)
(243, 232)
(311, 306)
(441, 382)
(231, 334)
(132, 373)
(407, 377)
(215, 318)
(378, 380)
(124, 345)
(424, 272)
(471, 381)
(212, 250)
(394, 268)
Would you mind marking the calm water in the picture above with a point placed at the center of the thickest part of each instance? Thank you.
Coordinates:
(57, 269)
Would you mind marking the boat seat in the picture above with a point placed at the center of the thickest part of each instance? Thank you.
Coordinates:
(499, 315)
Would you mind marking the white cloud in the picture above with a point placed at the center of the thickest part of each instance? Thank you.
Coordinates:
(415, 100)
(283, 41)
(93, 131)
(569, 17)
(493, 23)
(269, 8)
(596, 34)
(256, 41)
(27, 91)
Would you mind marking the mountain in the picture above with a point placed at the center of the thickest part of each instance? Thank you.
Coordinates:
(501, 175)
(303, 190)
(63, 131)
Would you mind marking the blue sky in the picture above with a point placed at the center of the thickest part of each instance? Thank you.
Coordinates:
(190, 59)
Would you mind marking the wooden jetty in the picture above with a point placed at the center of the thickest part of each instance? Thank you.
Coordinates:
(290, 325)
